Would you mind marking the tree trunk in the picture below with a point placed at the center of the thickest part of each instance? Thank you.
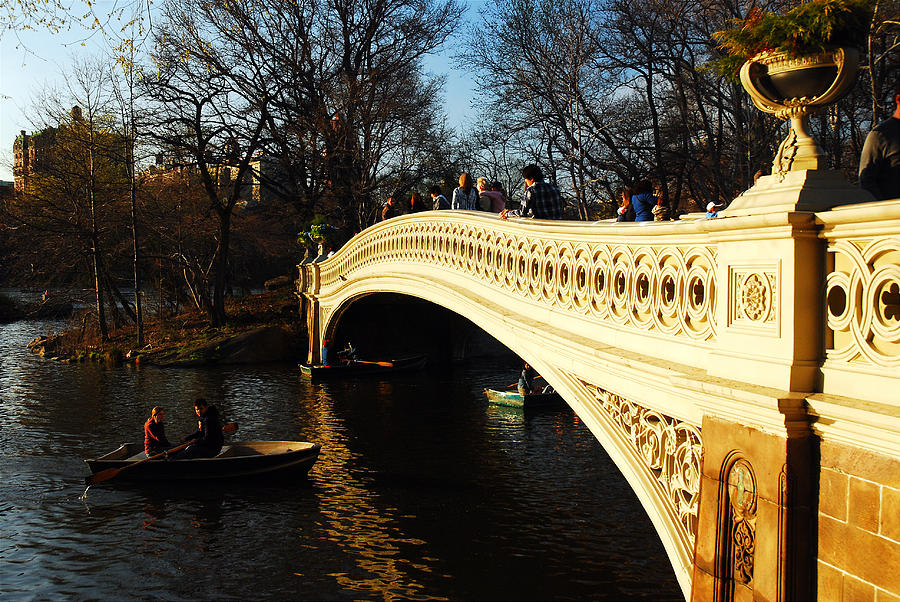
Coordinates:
(217, 309)
(95, 242)
(136, 266)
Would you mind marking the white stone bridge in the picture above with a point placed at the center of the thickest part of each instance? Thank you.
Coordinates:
(742, 372)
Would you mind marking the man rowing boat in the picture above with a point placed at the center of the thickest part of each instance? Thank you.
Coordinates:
(349, 353)
(208, 438)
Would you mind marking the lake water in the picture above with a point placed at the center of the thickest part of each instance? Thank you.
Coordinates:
(422, 491)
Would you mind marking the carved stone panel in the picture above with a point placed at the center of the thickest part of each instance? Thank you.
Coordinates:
(753, 298)
(742, 499)
(862, 302)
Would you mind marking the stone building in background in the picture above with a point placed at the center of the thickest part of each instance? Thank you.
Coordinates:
(32, 154)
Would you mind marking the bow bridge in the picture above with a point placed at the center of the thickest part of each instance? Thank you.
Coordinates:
(742, 372)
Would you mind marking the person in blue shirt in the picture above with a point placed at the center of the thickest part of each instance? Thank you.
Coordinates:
(526, 380)
(643, 201)
(349, 353)
(713, 208)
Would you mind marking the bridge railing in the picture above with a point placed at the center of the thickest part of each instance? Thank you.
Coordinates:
(799, 301)
(680, 340)
(657, 280)
(862, 301)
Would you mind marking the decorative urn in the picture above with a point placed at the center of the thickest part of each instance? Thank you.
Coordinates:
(795, 88)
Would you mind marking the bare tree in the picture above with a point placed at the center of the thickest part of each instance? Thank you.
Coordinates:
(72, 196)
(348, 107)
(206, 113)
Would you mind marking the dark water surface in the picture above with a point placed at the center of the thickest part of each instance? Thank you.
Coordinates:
(422, 491)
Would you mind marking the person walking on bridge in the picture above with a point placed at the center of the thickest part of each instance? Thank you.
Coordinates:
(439, 200)
(492, 200)
(541, 200)
(465, 197)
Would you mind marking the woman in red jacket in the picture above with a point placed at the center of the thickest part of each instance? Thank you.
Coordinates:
(155, 433)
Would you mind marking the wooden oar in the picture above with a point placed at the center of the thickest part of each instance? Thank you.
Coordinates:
(109, 473)
(385, 364)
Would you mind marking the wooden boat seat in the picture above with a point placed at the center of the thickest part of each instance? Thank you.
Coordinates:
(227, 452)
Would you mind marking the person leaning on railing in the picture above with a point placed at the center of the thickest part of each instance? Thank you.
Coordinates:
(643, 201)
(465, 196)
(541, 200)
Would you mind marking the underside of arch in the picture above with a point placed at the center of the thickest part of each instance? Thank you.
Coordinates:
(658, 454)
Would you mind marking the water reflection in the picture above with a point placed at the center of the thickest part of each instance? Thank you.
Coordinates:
(422, 490)
(353, 519)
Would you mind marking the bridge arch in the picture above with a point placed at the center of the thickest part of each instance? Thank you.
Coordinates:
(657, 452)
(682, 346)
(665, 482)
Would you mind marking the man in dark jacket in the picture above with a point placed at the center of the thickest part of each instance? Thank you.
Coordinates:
(879, 164)
(207, 439)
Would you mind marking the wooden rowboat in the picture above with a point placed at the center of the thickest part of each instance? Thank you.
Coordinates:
(515, 400)
(237, 460)
(363, 368)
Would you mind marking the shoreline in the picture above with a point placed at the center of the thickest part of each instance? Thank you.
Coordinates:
(262, 328)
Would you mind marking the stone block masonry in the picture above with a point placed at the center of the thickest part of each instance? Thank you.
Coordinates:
(858, 525)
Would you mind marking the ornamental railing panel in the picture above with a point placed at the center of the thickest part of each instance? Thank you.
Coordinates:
(667, 449)
(662, 284)
(862, 302)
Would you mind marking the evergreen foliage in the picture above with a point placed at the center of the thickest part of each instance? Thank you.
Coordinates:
(807, 29)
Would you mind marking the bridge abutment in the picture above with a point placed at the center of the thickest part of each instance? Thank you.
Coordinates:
(756, 527)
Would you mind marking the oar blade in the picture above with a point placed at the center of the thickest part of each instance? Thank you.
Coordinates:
(103, 475)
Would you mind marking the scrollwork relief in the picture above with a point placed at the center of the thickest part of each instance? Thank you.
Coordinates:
(862, 302)
(742, 499)
(669, 449)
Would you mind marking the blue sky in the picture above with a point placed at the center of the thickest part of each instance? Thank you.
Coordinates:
(33, 60)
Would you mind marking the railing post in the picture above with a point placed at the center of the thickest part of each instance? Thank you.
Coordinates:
(769, 301)
(756, 525)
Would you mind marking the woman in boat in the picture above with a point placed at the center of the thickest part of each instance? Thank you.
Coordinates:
(207, 439)
(155, 441)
